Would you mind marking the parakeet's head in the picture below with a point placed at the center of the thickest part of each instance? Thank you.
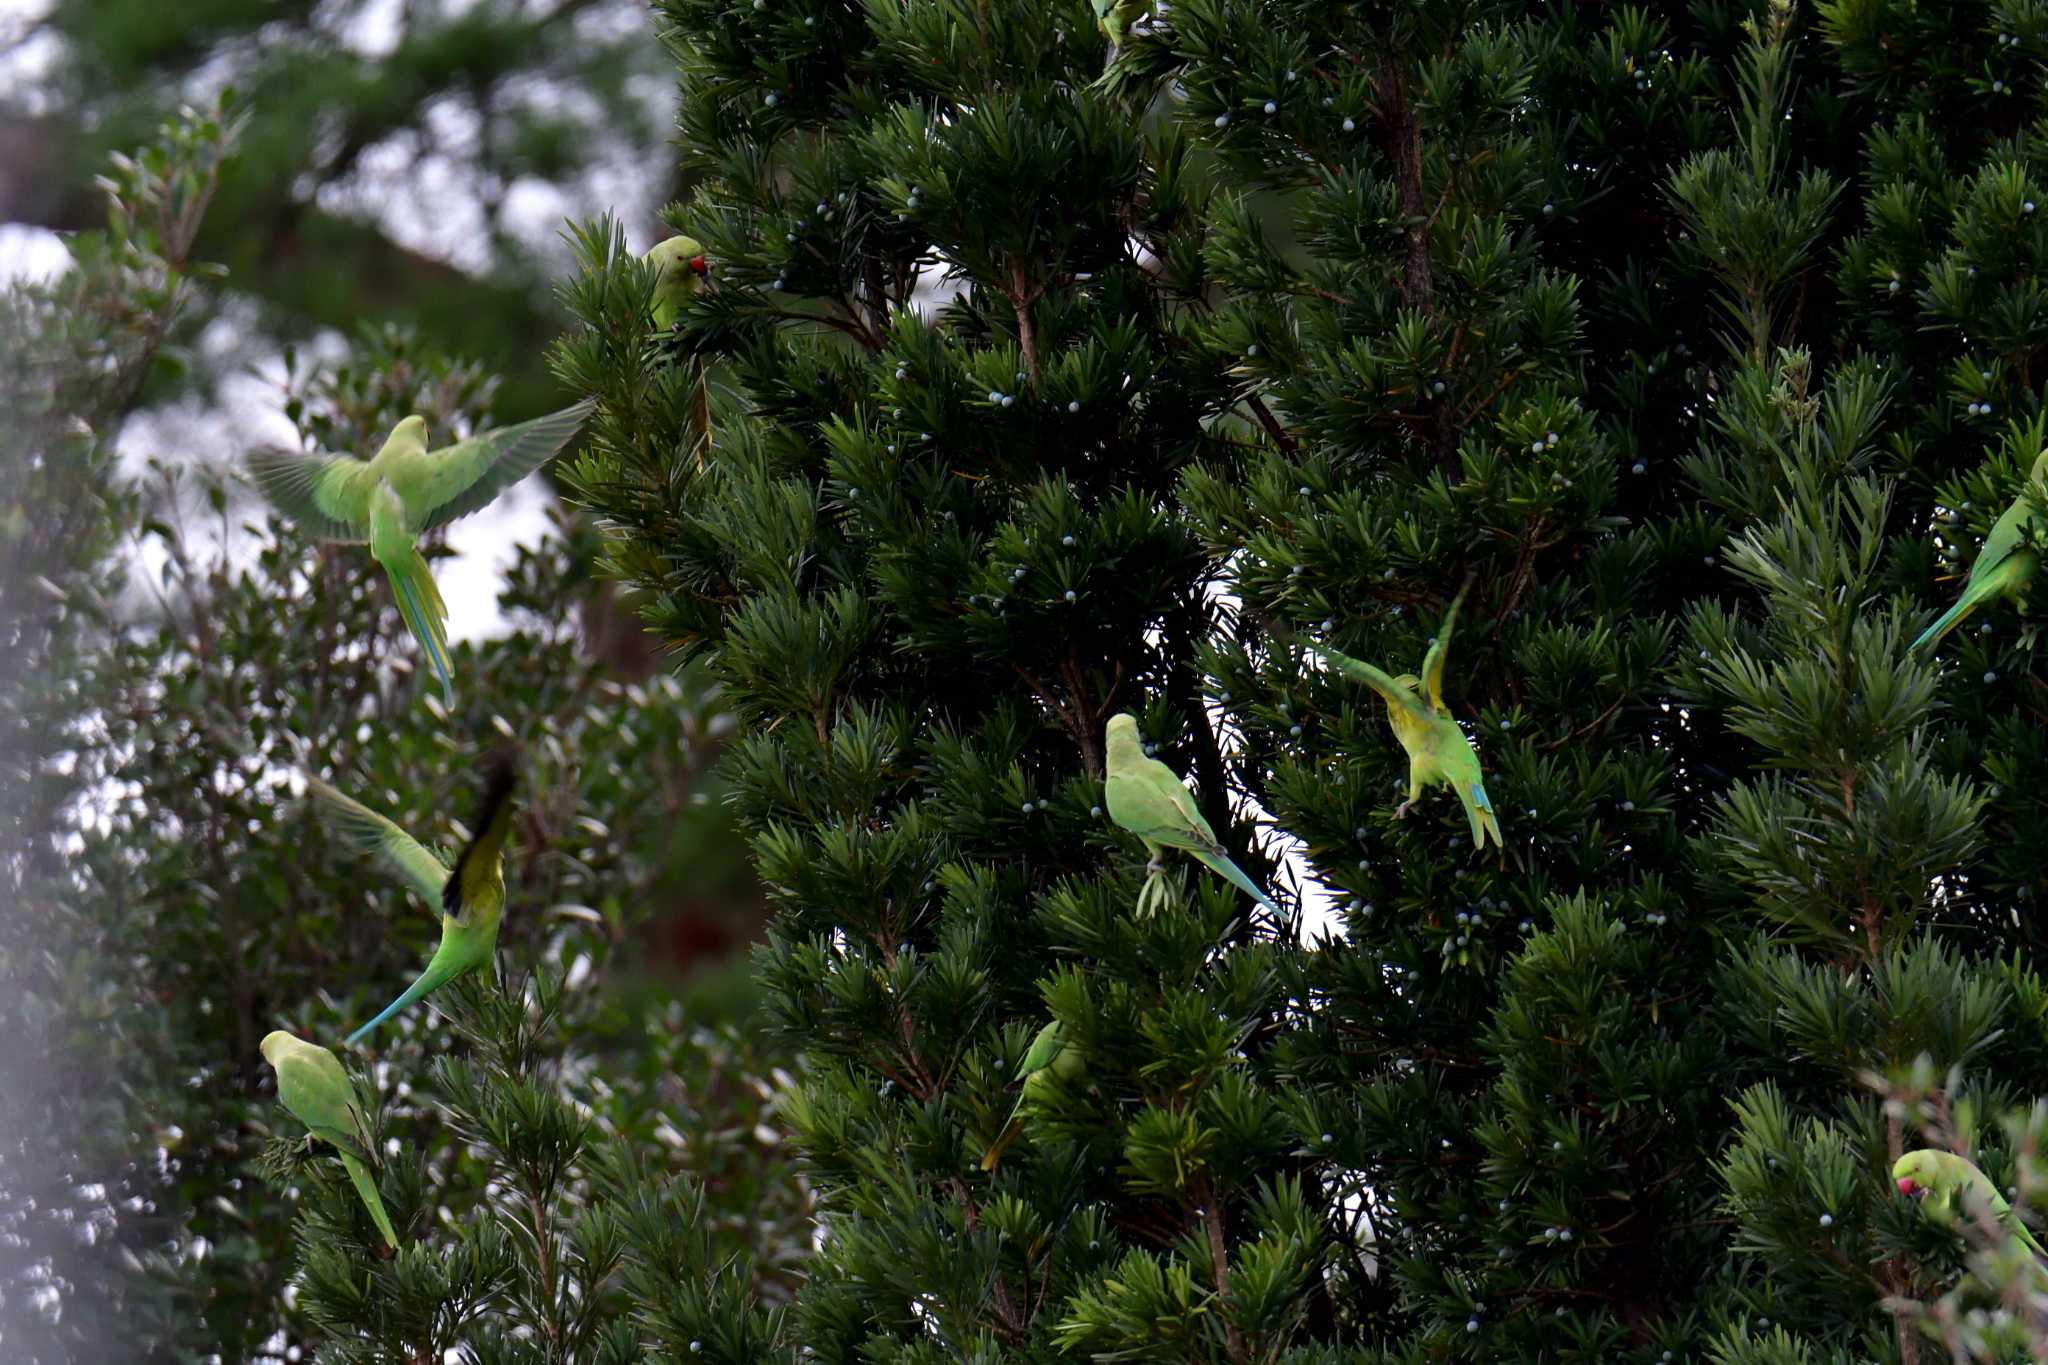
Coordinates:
(409, 434)
(1123, 728)
(1409, 681)
(274, 1043)
(1914, 1172)
(679, 258)
(2040, 474)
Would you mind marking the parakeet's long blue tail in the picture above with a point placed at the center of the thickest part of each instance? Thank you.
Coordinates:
(366, 1187)
(1003, 1140)
(426, 615)
(2010, 576)
(1480, 811)
(1234, 874)
(435, 976)
(1945, 623)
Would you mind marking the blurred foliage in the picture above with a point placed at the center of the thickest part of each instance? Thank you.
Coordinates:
(385, 127)
(173, 901)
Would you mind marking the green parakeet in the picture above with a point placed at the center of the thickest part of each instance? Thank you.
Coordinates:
(1046, 1060)
(2005, 566)
(404, 490)
(1950, 1187)
(1146, 798)
(471, 896)
(1437, 748)
(681, 266)
(1114, 18)
(311, 1083)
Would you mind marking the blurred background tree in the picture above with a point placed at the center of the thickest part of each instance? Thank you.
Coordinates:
(413, 163)
(170, 666)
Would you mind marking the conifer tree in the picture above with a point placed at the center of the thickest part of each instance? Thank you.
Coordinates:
(1698, 339)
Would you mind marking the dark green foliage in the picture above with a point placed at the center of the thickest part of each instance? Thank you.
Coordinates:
(1688, 334)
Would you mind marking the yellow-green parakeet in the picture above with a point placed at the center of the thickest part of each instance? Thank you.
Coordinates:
(680, 266)
(1046, 1060)
(471, 895)
(1950, 1188)
(1146, 798)
(311, 1083)
(1114, 18)
(403, 491)
(2005, 566)
(1437, 748)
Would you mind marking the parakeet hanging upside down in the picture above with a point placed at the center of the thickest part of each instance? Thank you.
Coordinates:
(311, 1083)
(1437, 748)
(1047, 1059)
(471, 896)
(403, 491)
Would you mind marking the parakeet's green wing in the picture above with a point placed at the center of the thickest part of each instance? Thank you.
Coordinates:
(313, 490)
(1151, 800)
(1385, 684)
(1439, 649)
(364, 829)
(1044, 1048)
(313, 1086)
(487, 464)
(479, 856)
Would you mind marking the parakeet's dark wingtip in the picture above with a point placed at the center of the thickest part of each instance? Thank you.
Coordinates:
(501, 775)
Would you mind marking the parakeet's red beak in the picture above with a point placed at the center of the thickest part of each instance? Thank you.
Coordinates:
(1907, 1187)
(698, 266)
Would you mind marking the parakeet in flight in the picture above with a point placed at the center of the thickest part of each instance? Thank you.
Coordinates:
(681, 268)
(311, 1084)
(1047, 1059)
(404, 490)
(1146, 798)
(1949, 1187)
(2006, 564)
(1437, 748)
(471, 896)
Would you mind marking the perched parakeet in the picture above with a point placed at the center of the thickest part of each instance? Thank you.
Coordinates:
(680, 261)
(311, 1084)
(1437, 748)
(1949, 1187)
(1047, 1059)
(403, 491)
(1114, 18)
(471, 896)
(1145, 797)
(2005, 565)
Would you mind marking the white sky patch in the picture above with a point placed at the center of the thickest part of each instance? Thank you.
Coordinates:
(25, 62)
(30, 253)
(486, 545)
(370, 29)
(1318, 905)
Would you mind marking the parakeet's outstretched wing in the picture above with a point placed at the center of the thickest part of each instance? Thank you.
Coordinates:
(313, 490)
(1433, 661)
(1385, 684)
(479, 856)
(488, 463)
(364, 829)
